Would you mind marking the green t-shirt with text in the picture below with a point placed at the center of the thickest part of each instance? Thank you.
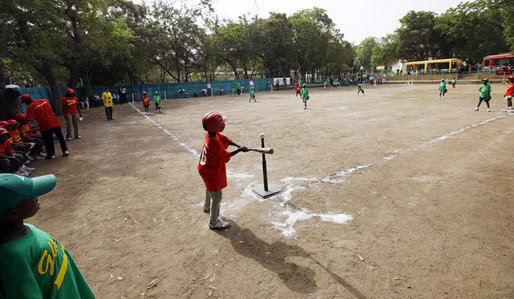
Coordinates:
(485, 90)
(37, 266)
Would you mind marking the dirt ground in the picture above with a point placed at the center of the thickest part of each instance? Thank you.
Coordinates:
(395, 194)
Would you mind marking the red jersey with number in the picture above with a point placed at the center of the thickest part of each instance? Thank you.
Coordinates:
(41, 111)
(26, 131)
(510, 90)
(70, 105)
(5, 148)
(212, 162)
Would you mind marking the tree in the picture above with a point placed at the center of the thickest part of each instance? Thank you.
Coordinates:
(179, 37)
(29, 36)
(273, 38)
(384, 52)
(418, 39)
(363, 53)
(473, 30)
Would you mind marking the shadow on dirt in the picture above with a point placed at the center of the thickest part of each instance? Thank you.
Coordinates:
(273, 257)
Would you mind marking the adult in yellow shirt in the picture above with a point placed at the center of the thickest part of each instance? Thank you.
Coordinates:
(107, 98)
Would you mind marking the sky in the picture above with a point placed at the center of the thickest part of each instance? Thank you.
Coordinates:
(357, 19)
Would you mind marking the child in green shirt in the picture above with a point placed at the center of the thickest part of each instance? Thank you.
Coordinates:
(442, 88)
(305, 95)
(453, 82)
(157, 100)
(252, 95)
(485, 94)
(360, 89)
(33, 264)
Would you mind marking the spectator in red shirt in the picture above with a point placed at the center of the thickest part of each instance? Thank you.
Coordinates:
(212, 165)
(41, 111)
(71, 107)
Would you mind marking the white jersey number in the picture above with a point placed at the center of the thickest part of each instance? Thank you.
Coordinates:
(203, 156)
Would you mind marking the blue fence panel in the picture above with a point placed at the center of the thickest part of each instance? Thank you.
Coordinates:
(168, 90)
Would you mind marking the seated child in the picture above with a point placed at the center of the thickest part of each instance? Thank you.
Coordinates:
(8, 161)
(33, 264)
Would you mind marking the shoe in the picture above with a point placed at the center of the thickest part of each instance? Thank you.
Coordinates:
(50, 157)
(66, 153)
(42, 155)
(69, 138)
(78, 137)
(22, 173)
(476, 109)
(207, 209)
(219, 225)
(488, 110)
(36, 158)
(29, 158)
(27, 169)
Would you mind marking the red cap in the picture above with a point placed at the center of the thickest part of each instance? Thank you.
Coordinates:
(214, 122)
(25, 97)
(69, 90)
(4, 123)
(12, 122)
(20, 116)
(3, 131)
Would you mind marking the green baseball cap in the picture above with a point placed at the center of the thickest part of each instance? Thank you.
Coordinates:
(15, 189)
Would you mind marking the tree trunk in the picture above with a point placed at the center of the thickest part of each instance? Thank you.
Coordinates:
(47, 71)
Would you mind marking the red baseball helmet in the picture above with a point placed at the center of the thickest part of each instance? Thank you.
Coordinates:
(20, 116)
(214, 122)
(25, 97)
(12, 122)
(3, 131)
(70, 91)
(4, 123)
(144, 92)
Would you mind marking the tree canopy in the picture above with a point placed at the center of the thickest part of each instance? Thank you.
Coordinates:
(106, 42)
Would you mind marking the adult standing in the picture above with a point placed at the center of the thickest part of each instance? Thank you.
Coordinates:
(252, 86)
(70, 106)
(123, 95)
(107, 99)
(41, 111)
(209, 89)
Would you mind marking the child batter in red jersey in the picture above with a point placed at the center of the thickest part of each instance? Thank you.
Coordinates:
(211, 166)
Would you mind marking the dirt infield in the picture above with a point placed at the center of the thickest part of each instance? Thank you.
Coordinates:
(394, 194)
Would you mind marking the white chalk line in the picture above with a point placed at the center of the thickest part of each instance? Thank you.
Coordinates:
(187, 147)
(231, 174)
(293, 184)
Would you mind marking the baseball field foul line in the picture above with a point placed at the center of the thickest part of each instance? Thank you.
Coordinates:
(187, 147)
(292, 217)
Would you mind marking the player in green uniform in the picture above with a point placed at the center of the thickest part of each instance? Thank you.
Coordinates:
(233, 93)
(485, 94)
(453, 82)
(442, 88)
(360, 89)
(252, 95)
(157, 100)
(305, 95)
(33, 264)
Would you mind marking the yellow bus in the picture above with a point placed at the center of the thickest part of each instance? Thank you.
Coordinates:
(428, 66)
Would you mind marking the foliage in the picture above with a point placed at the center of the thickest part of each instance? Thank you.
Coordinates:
(473, 30)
